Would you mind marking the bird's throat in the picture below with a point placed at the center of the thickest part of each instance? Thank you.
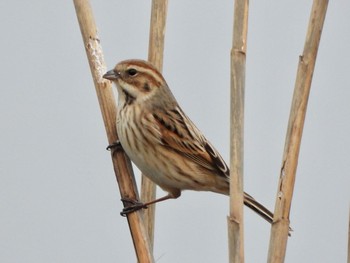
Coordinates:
(129, 99)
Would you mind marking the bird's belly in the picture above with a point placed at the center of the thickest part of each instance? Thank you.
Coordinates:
(146, 164)
(168, 169)
(145, 157)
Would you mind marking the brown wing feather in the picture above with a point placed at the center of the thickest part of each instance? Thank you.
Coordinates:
(181, 135)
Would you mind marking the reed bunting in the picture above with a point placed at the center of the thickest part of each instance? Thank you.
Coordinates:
(162, 141)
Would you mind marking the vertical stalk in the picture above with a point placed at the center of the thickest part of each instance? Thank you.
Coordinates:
(280, 227)
(238, 61)
(121, 164)
(349, 239)
(155, 56)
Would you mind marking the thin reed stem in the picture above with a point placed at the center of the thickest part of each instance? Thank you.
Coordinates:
(280, 227)
(155, 56)
(122, 166)
(238, 61)
(349, 239)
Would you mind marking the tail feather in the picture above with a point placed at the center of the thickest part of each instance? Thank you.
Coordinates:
(258, 208)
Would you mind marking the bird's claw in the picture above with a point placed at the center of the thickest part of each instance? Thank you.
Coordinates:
(134, 206)
(114, 146)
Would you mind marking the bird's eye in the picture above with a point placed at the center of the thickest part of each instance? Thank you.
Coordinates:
(132, 72)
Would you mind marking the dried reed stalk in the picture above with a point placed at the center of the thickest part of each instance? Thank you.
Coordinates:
(280, 227)
(121, 164)
(155, 56)
(349, 239)
(238, 60)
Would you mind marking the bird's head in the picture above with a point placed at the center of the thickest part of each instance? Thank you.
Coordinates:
(136, 80)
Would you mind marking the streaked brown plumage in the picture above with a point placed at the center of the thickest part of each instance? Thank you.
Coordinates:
(162, 141)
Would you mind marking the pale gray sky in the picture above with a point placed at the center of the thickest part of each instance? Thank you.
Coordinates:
(58, 196)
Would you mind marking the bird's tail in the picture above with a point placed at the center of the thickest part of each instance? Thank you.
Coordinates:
(258, 208)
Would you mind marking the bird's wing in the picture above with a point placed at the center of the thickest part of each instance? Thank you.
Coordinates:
(177, 132)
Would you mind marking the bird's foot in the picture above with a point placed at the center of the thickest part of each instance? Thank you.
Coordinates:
(134, 206)
(115, 146)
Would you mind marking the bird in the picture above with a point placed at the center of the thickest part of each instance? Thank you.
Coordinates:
(162, 141)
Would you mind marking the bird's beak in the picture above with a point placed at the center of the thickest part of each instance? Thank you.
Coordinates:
(111, 75)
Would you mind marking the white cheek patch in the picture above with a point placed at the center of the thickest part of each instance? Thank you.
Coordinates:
(130, 89)
(135, 92)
